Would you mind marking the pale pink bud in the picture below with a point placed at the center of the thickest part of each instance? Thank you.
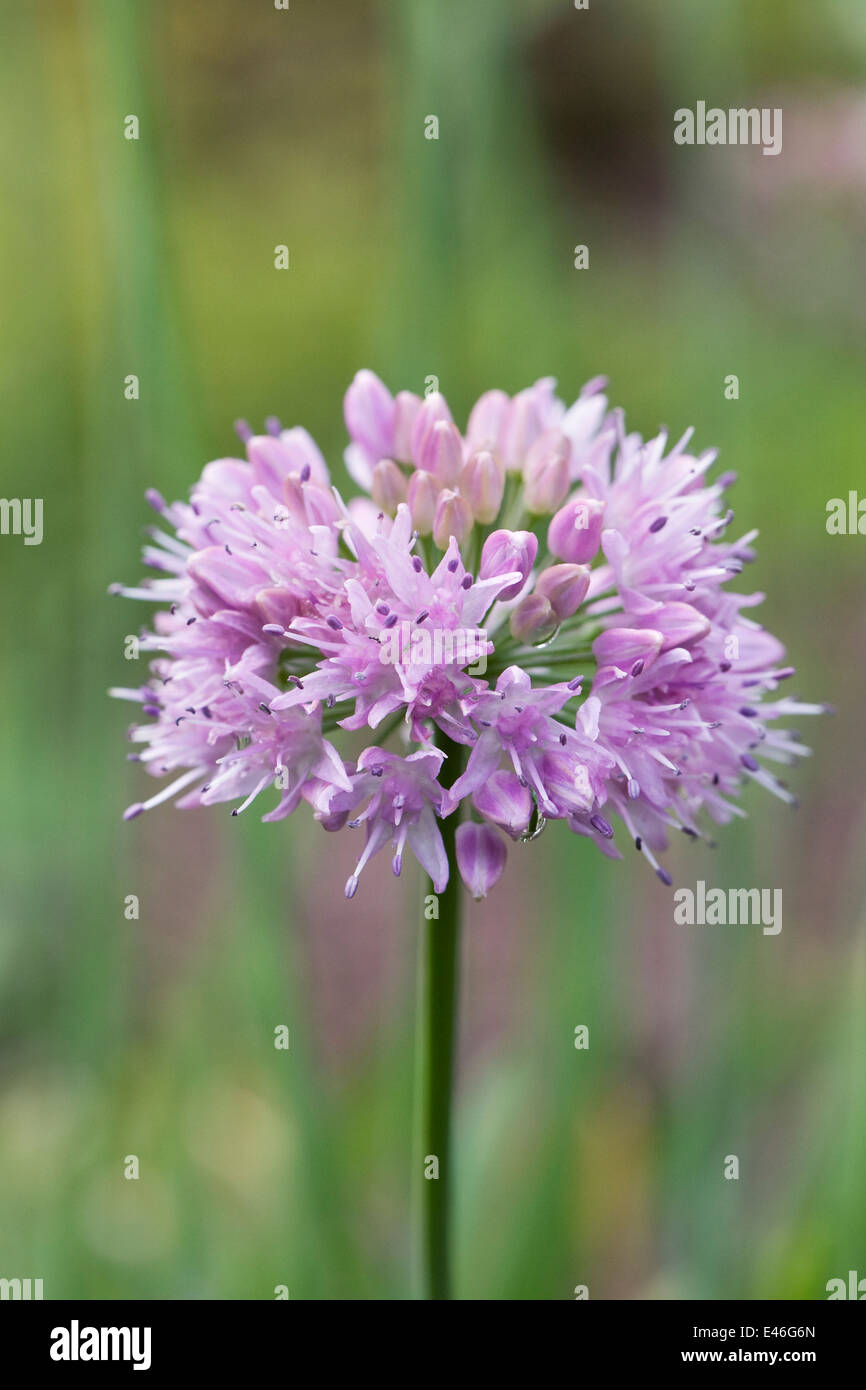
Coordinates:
(545, 472)
(423, 492)
(369, 410)
(432, 409)
(505, 551)
(533, 620)
(481, 856)
(503, 799)
(452, 517)
(389, 486)
(441, 453)
(486, 420)
(520, 429)
(565, 587)
(406, 407)
(574, 533)
(482, 483)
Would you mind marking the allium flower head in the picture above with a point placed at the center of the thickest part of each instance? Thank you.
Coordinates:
(546, 591)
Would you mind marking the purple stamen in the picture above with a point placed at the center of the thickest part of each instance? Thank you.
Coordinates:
(602, 826)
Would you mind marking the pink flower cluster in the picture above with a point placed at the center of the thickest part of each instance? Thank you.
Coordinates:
(620, 679)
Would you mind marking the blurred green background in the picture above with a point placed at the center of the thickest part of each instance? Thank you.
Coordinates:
(154, 1037)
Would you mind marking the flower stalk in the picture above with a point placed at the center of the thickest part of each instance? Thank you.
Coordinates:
(437, 1018)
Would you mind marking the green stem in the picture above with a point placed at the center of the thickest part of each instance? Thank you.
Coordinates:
(438, 970)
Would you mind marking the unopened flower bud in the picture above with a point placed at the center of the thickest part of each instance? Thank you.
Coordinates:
(441, 453)
(520, 429)
(574, 533)
(452, 517)
(506, 801)
(486, 420)
(533, 620)
(481, 856)
(432, 410)
(369, 412)
(406, 407)
(389, 486)
(482, 483)
(545, 472)
(423, 492)
(505, 551)
(565, 587)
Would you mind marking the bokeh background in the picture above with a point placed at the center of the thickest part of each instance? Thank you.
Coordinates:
(415, 257)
